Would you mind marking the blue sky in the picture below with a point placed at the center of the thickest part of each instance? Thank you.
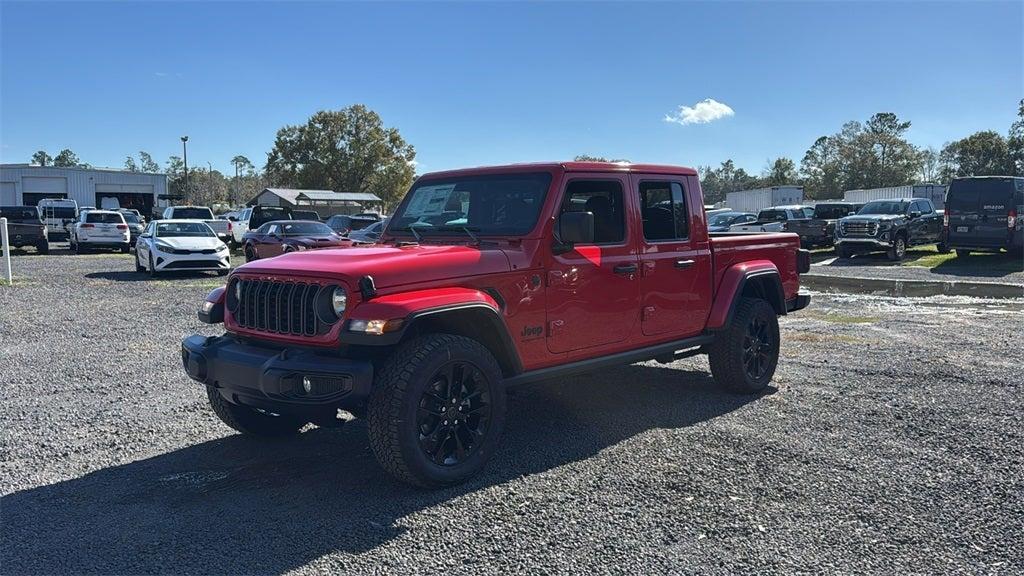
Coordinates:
(472, 84)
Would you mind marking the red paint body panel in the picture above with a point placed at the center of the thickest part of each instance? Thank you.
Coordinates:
(585, 308)
(400, 305)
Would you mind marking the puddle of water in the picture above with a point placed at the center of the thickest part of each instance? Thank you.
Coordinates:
(924, 305)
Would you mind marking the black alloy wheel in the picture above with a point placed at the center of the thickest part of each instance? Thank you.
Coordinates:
(758, 348)
(454, 413)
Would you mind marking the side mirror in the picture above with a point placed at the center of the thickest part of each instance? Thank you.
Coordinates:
(145, 236)
(576, 228)
(914, 214)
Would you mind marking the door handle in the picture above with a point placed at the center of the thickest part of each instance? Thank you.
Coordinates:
(684, 264)
(626, 269)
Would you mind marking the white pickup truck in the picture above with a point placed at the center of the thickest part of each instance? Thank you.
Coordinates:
(774, 219)
(221, 227)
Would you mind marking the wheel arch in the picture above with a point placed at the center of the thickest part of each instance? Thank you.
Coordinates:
(478, 322)
(758, 279)
(459, 311)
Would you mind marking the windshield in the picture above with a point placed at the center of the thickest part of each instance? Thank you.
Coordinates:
(183, 229)
(723, 218)
(19, 213)
(58, 212)
(832, 211)
(883, 207)
(193, 213)
(131, 218)
(772, 216)
(504, 204)
(305, 229)
(103, 218)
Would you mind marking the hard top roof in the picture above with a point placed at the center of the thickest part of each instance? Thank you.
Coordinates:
(568, 167)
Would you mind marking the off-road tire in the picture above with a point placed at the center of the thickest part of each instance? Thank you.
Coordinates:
(899, 248)
(962, 253)
(251, 422)
(250, 253)
(725, 354)
(394, 401)
(43, 247)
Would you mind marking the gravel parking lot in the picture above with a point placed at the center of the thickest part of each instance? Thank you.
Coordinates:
(892, 443)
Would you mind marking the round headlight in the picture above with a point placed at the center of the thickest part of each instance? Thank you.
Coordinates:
(339, 300)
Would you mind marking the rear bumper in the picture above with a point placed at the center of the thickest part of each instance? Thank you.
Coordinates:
(799, 303)
(272, 379)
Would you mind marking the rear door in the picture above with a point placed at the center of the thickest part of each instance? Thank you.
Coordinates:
(593, 291)
(674, 268)
(978, 209)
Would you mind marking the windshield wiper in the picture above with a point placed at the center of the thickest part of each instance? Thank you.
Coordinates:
(467, 229)
(413, 231)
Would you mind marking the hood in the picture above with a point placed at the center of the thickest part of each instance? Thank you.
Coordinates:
(191, 243)
(389, 265)
(872, 217)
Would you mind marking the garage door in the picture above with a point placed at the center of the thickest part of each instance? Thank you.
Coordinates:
(44, 185)
(7, 195)
(137, 196)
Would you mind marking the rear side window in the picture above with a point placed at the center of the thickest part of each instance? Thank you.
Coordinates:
(604, 199)
(103, 218)
(19, 214)
(663, 208)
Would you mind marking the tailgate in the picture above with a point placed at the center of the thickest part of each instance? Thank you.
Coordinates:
(219, 226)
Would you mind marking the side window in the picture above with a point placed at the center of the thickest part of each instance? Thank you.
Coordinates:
(663, 209)
(604, 199)
(916, 206)
(808, 212)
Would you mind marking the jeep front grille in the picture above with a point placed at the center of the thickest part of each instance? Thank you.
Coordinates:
(859, 229)
(276, 307)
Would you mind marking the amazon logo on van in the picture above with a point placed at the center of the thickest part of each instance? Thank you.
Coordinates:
(993, 207)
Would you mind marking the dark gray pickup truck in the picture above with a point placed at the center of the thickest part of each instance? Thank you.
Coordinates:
(820, 230)
(26, 228)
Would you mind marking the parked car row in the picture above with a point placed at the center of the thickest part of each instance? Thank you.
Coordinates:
(982, 215)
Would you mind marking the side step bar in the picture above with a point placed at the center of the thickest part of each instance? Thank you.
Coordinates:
(674, 350)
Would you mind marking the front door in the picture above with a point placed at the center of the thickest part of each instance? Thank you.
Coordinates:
(593, 291)
(675, 270)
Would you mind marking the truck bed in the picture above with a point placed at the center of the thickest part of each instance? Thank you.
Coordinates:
(780, 248)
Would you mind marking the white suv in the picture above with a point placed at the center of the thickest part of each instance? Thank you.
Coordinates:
(99, 229)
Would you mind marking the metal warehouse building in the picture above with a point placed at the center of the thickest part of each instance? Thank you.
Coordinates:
(24, 184)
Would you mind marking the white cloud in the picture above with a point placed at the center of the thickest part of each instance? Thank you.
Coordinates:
(702, 112)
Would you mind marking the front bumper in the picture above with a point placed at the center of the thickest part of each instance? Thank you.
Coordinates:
(287, 381)
(864, 243)
(215, 261)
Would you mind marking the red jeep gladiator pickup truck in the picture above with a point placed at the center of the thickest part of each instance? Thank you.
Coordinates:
(486, 278)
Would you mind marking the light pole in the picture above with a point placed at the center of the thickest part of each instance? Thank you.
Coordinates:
(209, 180)
(184, 153)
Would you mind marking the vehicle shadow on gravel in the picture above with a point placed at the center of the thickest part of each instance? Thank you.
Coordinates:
(235, 505)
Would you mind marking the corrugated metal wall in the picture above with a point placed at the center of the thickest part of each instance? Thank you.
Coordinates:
(935, 192)
(761, 198)
(79, 184)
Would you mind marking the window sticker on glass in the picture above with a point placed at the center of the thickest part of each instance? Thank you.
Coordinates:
(429, 200)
